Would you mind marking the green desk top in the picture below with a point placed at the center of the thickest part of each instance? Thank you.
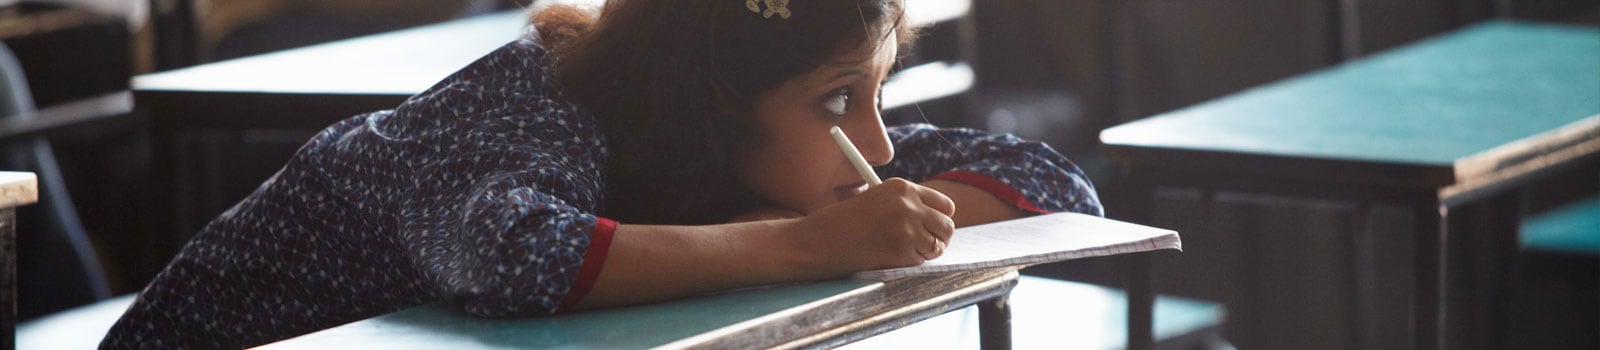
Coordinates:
(1436, 103)
(1045, 314)
(445, 327)
(824, 313)
(1573, 228)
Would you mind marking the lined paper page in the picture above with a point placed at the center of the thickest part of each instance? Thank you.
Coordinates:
(1036, 240)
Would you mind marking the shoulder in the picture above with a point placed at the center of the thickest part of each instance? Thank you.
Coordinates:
(504, 105)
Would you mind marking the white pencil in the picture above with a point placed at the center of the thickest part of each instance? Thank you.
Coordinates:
(851, 152)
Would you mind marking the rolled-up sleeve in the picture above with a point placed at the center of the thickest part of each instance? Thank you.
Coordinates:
(516, 244)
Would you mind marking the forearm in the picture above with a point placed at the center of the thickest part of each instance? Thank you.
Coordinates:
(648, 263)
(891, 225)
(975, 206)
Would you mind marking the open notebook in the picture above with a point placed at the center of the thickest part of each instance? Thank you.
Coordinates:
(1036, 240)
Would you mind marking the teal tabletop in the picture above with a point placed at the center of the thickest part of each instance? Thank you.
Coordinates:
(1573, 228)
(1046, 314)
(646, 326)
(1433, 103)
(401, 62)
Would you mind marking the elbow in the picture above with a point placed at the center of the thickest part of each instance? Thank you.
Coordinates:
(537, 287)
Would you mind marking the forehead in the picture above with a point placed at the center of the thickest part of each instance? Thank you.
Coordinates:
(873, 56)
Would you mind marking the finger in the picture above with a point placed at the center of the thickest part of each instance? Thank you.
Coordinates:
(926, 248)
(935, 249)
(939, 226)
(936, 200)
(939, 229)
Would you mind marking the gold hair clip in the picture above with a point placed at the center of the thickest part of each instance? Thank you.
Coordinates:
(774, 7)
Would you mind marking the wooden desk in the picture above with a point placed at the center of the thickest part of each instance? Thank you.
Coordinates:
(1046, 314)
(16, 189)
(824, 314)
(1453, 128)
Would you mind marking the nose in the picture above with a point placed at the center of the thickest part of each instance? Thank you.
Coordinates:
(872, 139)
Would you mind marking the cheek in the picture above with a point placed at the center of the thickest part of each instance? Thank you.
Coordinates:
(795, 175)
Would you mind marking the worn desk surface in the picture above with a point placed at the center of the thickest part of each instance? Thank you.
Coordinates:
(1045, 314)
(826, 314)
(18, 189)
(1454, 128)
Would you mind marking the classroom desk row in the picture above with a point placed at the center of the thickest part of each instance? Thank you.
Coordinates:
(1046, 314)
(1455, 130)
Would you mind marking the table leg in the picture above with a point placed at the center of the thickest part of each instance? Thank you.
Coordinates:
(164, 163)
(994, 323)
(1507, 248)
(1428, 310)
(1141, 296)
(8, 277)
(1364, 278)
(1483, 248)
(1141, 303)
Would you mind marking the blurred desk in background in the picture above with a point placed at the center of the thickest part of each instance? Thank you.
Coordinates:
(1454, 129)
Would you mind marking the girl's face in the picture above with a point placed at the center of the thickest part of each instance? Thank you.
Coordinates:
(797, 165)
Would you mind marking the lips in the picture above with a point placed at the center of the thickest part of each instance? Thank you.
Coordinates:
(851, 190)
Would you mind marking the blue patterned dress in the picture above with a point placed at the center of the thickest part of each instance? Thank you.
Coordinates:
(482, 191)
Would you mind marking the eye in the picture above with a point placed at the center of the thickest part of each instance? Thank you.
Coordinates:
(837, 101)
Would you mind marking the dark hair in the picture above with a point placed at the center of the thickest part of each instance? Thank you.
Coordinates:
(673, 84)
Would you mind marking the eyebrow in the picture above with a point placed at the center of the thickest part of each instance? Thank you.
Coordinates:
(845, 73)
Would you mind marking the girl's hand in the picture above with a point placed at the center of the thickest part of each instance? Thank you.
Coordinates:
(895, 224)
